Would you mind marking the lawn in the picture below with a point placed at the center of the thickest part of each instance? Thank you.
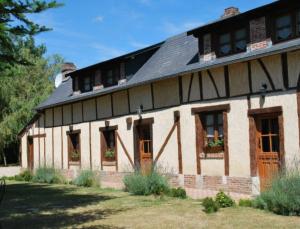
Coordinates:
(28, 205)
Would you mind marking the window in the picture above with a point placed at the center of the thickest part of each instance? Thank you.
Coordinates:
(286, 26)
(86, 84)
(269, 139)
(213, 128)
(108, 144)
(225, 44)
(74, 147)
(283, 28)
(111, 77)
(233, 42)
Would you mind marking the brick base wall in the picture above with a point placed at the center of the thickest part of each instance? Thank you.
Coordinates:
(240, 185)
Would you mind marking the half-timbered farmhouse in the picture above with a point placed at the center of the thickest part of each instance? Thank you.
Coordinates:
(217, 107)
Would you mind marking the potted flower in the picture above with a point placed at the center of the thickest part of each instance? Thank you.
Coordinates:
(110, 155)
(216, 146)
(75, 155)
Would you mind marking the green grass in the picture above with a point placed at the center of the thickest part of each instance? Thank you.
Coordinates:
(28, 205)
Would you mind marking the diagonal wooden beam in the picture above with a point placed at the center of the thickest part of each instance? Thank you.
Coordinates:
(125, 150)
(165, 143)
(190, 87)
(267, 73)
(213, 82)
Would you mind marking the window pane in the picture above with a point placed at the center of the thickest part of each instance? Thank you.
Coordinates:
(210, 132)
(209, 120)
(275, 144)
(87, 85)
(274, 126)
(225, 49)
(266, 144)
(225, 38)
(265, 126)
(220, 130)
(220, 119)
(240, 34)
(240, 45)
(284, 33)
(284, 21)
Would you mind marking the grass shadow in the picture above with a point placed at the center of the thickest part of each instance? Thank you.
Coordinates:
(45, 206)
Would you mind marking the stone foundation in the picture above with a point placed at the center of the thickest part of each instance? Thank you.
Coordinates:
(193, 183)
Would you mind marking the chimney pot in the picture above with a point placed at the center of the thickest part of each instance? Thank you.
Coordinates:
(67, 68)
(230, 11)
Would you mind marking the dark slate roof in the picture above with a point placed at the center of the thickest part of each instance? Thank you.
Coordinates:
(173, 58)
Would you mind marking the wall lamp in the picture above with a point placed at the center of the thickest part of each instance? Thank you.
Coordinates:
(139, 111)
(263, 90)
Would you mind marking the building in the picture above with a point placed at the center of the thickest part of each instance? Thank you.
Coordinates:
(217, 106)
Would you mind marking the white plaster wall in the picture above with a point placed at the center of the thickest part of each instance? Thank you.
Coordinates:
(36, 153)
(57, 116)
(104, 106)
(49, 117)
(67, 114)
(89, 110)
(293, 68)
(274, 67)
(48, 140)
(57, 147)
(77, 112)
(238, 79)
(120, 103)
(166, 93)
(24, 151)
(140, 96)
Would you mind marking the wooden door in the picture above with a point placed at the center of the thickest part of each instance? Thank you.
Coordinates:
(268, 149)
(145, 147)
(30, 153)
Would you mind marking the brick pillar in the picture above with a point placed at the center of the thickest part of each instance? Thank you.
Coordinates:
(258, 34)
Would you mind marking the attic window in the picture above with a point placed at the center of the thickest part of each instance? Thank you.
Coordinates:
(232, 42)
(86, 84)
(111, 77)
(284, 28)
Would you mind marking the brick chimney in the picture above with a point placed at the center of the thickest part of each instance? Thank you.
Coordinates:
(67, 68)
(230, 11)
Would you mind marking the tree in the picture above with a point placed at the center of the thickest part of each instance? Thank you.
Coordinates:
(15, 25)
(22, 88)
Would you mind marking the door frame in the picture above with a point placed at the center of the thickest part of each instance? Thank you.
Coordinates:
(253, 114)
(147, 121)
(30, 161)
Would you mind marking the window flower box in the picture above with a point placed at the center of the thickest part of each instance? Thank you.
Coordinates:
(212, 152)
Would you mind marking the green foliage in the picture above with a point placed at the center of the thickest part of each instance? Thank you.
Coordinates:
(177, 193)
(283, 197)
(223, 200)
(15, 25)
(216, 143)
(245, 203)
(87, 178)
(22, 88)
(146, 184)
(210, 205)
(49, 176)
(24, 176)
(110, 154)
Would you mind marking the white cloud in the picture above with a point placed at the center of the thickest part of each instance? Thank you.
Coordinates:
(98, 19)
(107, 52)
(172, 28)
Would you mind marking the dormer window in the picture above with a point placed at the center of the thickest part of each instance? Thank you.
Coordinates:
(232, 42)
(284, 28)
(87, 84)
(111, 77)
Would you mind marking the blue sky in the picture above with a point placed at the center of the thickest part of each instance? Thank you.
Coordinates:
(90, 31)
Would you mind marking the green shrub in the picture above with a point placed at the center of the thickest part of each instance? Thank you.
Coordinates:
(177, 193)
(223, 200)
(138, 183)
(24, 176)
(210, 206)
(245, 203)
(283, 196)
(48, 175)
(87, 178)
